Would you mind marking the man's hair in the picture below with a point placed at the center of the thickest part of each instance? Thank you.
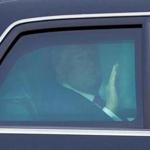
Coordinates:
(61, 58)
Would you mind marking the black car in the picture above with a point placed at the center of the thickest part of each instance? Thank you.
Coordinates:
(74, 75)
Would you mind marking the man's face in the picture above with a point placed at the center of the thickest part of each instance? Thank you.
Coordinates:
(83, 73)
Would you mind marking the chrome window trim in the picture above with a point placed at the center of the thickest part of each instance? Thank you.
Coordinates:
(89, 132)
(73, 16)
(60, 131)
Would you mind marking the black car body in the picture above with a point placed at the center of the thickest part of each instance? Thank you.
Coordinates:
(20, 18)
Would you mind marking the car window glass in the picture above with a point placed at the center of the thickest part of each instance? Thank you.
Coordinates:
(72, 76)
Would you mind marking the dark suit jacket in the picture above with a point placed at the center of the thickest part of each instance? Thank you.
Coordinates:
(66, 105)
(53, 103)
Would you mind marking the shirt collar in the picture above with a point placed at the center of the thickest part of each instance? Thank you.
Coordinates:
(90, 97)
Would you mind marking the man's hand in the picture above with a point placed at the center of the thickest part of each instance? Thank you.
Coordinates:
(111, 93)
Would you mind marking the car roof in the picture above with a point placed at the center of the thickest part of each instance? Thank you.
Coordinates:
(13, 10)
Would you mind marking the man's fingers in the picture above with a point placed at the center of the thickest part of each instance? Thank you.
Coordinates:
(113, 73)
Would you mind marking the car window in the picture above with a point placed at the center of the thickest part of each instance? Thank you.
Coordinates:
(82, 76)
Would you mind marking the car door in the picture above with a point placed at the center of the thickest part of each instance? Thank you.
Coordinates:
(53, 67)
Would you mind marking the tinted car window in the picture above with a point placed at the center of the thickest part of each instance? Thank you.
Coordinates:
(72, 77)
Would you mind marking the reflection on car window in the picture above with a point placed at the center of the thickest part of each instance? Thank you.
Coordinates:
(71, 76)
